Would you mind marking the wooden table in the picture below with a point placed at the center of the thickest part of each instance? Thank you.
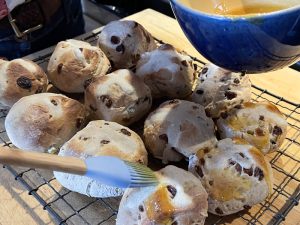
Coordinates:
(15, 209)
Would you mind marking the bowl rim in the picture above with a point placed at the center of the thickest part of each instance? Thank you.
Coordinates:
(237, 17)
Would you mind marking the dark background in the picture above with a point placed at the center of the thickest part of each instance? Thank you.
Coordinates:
(100, 12)
(126, 7)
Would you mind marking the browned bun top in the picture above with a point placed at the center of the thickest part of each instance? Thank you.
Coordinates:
(20, 78)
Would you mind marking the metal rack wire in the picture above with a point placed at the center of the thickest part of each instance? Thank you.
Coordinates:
(67, 207)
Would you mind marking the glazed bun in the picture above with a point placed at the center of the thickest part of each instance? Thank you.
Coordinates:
(120, 96)
(44, 121)
(261, 124)
(235, 175)
(101, 138)
(220, 90)
(73, 63)
(178, 199)
(167, 72)
(124, 41)
(178, 128)
(20, 78)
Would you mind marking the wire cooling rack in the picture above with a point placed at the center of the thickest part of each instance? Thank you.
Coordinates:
(67, 207)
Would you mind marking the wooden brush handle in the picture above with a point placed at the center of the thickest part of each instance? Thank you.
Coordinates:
(13, 156)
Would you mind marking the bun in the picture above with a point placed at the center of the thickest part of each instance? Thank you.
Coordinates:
(167, 72)
(119, 96)
(177, 128)
(44, 121)
(178, 199)
(220, 90)
(261, 124)
(20, 78)
(100, 138)
(235, 175)
(124, 41)
(73, 63)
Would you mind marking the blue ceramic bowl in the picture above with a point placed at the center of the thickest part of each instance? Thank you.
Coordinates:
(254, 43)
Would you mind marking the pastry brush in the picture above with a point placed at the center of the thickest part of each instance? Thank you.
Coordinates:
(108, 170)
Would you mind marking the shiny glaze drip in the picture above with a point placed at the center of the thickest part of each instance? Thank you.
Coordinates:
(159, 208)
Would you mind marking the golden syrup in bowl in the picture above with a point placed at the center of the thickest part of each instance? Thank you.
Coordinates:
(236, 7)
(246, 10)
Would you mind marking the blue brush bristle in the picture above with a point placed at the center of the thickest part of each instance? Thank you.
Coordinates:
(113, 171)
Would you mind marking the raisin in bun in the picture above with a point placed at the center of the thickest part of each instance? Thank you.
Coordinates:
(167, 72)
(20, 78)
(178, 199)
(124, 41)
(235, 175)
(261, 124)
(178, 128)
(73, 63)
(120, 96)
(44, 121)
(101, 138)
(220, 90)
